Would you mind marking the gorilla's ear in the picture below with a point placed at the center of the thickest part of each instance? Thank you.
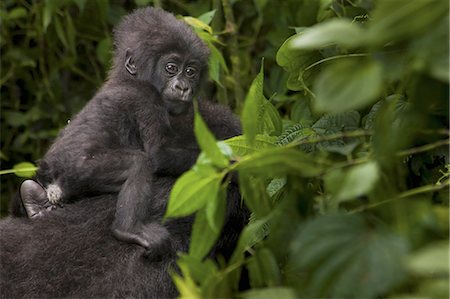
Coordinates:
(129, 63)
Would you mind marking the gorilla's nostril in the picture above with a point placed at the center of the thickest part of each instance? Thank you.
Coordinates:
(182, 88)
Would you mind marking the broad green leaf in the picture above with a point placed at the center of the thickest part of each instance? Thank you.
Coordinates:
(337, 122)
(192, 190)
(207, 17)
(343, 256)
(431, 261)
(240, 146)
(270, 293)
(207, 142)
(203, 235)
(336, 31)
(25, 169)
(350, 183)
(279, 162)
(347, 85)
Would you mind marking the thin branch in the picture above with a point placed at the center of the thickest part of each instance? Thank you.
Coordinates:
(423, 148)
(408, 193)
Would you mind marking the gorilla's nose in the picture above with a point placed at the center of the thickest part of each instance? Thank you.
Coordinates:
(182, 88)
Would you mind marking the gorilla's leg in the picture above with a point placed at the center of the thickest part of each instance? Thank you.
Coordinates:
(136, 201)
(103, 173)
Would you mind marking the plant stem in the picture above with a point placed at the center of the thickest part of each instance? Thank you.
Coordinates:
(230, 28)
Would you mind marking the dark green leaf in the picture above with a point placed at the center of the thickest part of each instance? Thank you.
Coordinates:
(341, 256)
(203, 235)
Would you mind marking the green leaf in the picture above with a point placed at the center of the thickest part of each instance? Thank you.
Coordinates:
(342, 256)
(196, 23)
(208, 143)
(207, 17)
(25, 169)
(253, 190)
(104, 51)
(263, 269)
(430, 261)
(336, 31)
(270, 293)
(353, 182)
(215, 211)
(199, 270)
(401, 19)
(17, 13)
(253, 101)
(278, 162)
(347, 85)
(251, 234)
(192, 190)
(240, 146)
(203, 235)
(295, 61)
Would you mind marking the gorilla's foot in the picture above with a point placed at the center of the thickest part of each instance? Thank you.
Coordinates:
(154, 237)
(34, 198)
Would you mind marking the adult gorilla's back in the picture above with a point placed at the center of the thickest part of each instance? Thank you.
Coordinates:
(71, 252)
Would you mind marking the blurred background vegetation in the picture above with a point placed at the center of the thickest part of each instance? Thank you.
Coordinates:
(345, 168)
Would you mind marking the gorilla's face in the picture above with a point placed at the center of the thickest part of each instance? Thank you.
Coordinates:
(180, 78)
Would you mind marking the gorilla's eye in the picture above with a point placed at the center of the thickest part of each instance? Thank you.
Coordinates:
(171, 68)
(190, 72)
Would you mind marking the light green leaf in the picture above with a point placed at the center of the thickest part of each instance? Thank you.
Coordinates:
(347, 85)
(203, 235)
(192, 190)
(25, 169)
(207, 17)
(278, 162)
(253, 101)
(196, 23)
(215, 211)
(208, 143)
(353, 182)
(336, 31)
(240, 146)
(431, 261)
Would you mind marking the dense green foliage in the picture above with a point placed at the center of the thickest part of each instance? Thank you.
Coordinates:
(345, 167)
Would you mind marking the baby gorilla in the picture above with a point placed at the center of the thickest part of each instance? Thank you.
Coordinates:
(124, 137)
